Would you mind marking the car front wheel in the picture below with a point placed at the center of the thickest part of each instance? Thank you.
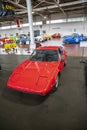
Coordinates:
(65, 63)
(67, 42)
(57, 83)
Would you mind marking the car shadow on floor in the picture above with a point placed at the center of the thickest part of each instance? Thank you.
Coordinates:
(23, 98)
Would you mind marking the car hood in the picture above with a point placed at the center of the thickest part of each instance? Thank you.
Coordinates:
(31, 74)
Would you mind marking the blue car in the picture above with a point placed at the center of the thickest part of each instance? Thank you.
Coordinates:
(24, 38)
(74, 38)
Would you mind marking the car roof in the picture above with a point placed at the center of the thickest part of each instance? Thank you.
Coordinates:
(47, 48)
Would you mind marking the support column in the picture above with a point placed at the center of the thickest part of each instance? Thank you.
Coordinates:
(86, 23)
(30, 19)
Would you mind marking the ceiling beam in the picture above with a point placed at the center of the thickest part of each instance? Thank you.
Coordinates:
(57, 2)
(57, 5)
(73, 8)
(54, 6)
(16, 4)
(48, 2)
(17, 1)
(38, 4)
(61, 5)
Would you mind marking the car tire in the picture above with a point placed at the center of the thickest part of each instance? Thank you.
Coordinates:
(68, 42)
(57, 83)
(65, 63)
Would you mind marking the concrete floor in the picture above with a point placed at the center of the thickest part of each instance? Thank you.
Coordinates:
(65, 109)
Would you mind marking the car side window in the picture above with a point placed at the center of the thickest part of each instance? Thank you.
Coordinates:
(52, 55)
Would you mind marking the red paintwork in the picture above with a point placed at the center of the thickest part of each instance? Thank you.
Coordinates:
(56, 35)
(36, 76)
(5, 39)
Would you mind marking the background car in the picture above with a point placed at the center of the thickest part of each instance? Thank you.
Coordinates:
(5, 39)
(74, 38)
(41, 72)
(56, 35)
(48, 36)
(24, 38)
(40, 38)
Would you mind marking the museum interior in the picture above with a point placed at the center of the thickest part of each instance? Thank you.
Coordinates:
(43, 64)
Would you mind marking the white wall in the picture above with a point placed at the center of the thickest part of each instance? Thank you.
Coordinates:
(67, 28)
(63, 28)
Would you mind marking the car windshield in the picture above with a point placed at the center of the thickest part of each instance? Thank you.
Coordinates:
(44, 55)
(75, 35)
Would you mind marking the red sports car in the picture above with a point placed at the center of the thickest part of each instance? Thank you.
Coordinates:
(56, 35)
(40, 73)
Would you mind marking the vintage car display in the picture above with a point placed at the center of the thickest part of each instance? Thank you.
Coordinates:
(24, 39)
(41, 72)
(74, 38)
(48, 36)
(10, 45)
(40, 38)
(56, 35)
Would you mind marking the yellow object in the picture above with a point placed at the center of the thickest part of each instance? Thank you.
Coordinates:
(48, 36)
(7, 46)
(13, 45)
